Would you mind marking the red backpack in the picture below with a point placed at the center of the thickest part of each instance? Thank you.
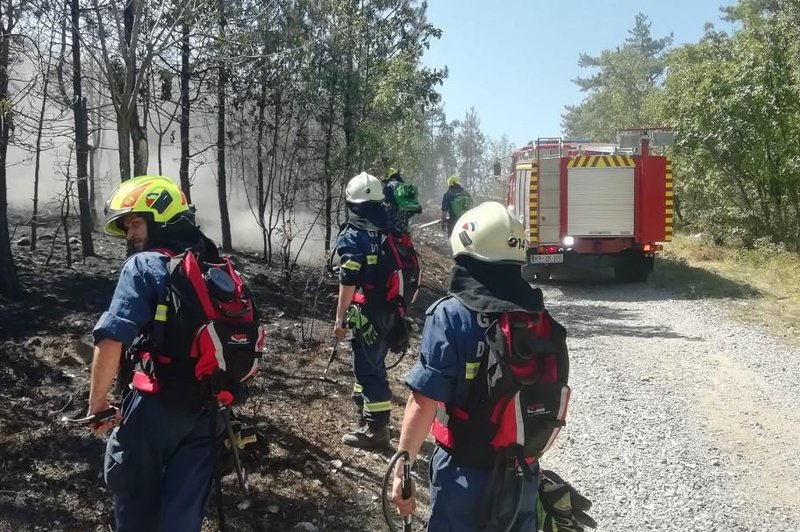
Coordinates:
(205, 340)
(406, 279)
(518, 400)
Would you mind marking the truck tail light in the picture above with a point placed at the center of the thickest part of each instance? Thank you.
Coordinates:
(652, 248)
(544, 250)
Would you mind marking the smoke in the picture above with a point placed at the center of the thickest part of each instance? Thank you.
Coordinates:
(57, 161)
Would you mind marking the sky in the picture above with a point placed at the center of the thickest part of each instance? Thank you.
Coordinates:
(513, 60)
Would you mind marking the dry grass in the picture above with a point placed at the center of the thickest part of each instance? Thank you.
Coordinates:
(766, 281)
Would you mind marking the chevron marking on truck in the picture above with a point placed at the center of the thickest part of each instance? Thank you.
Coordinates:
(669, 203)
(601, 161)
(533, 205)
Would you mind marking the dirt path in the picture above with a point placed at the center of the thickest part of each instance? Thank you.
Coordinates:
(682, 418)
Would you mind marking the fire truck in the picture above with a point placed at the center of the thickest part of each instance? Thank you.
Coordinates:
(590, 204)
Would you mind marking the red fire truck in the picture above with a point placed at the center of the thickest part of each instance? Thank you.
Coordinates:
(591, 204)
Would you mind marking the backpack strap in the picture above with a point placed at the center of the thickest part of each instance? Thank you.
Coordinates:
(436, 303)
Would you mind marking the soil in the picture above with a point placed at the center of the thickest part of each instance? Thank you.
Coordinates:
(682, 417)
(51, 472)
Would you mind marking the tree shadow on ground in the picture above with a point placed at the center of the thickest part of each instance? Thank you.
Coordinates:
(671, 279)
(598, 320)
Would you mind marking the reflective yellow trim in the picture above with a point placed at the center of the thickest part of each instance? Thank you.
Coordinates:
(668, 221)
(669, 185)
(357, 388)
(351, 265)
(524, 166)
(372, 259)
(534, 195)
(669, 203)
(472, 370)
(161, 313)
(534, 205)
(668, 238)
(669, 193)
(669, 211)
(383, 406)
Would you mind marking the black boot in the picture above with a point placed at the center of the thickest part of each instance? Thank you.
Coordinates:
(367, 437)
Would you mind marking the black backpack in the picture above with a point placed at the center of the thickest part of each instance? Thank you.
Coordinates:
(205, 340)
(518, 400)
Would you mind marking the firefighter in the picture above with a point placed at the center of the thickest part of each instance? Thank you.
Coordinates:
(362, 307)
(158, 461)
(488, 251)
(401, 201)
(455, 202)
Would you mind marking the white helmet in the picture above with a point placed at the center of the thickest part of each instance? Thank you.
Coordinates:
(490, 234)
(364, 187)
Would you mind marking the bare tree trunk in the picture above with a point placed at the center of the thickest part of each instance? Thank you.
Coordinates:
(38, 157)
(262, 200)
(138, 129)
(124, 145)
(349, 119)
(326, 168)
(185, 103)
(141, 151)
(81, 136)
(9, 282)
(272, 218)
(222, 193)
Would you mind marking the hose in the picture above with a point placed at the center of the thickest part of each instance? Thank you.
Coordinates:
(387, 486)
(520, 496)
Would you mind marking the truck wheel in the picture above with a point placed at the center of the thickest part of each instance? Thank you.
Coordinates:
(535, 275)
(633, 268)
(623, 273)
(528, 274)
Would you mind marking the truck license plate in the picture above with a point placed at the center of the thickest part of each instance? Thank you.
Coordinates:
(554, 258)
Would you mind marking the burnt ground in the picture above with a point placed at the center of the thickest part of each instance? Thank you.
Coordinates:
(51, 473)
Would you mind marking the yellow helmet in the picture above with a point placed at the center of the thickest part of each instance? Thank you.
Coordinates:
(489, 233)
(453, 180)
(153, 195)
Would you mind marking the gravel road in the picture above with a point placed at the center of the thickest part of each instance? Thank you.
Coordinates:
(682, 418)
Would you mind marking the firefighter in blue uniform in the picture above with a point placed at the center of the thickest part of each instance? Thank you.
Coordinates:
(363, 309)
(158, 462)
(488, 249)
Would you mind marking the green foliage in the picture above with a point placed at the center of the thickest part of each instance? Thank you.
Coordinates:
(625, 78)
(734, 103)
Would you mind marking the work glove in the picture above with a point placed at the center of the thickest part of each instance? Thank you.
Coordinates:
(443, 224)
(560, 508)
(359, 323)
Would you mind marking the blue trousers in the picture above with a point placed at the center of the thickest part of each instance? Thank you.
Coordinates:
(371, 392)
(458, 498)
(159, 466)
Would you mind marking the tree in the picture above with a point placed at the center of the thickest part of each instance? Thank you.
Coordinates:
(733, 100)
(222, 76)
(125, 79)
(471, 144)
(618, 92)
(81, 135)
(9, 16)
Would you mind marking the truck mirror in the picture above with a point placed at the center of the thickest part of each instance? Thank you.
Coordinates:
(497, 169)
